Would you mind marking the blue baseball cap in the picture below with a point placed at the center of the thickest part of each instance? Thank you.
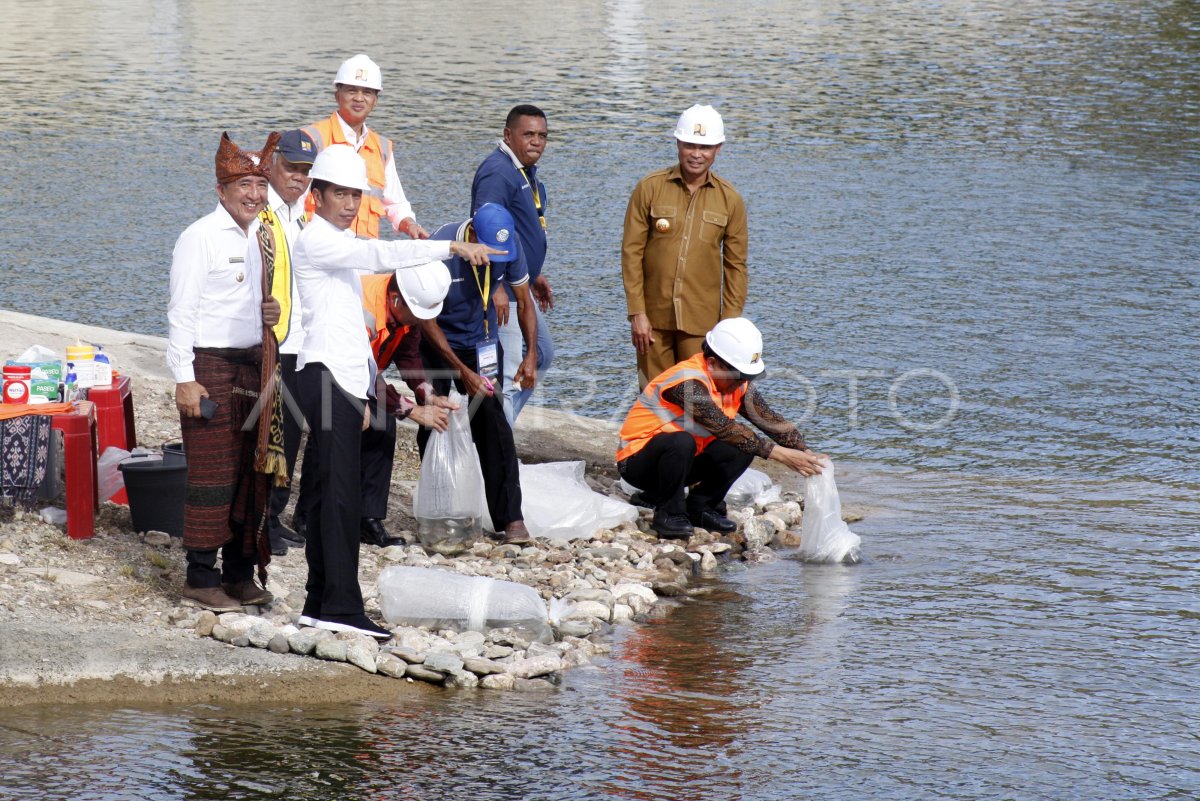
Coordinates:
(297, 147)
(494, 228)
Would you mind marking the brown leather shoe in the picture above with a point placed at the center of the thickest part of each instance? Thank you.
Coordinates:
(515, 533)
(248, 592)
(213, 599)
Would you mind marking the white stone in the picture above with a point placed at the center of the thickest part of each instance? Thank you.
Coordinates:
(589, 609)
(621, 613)
(332, 649)
(536, 666)
(443, 662)
(9, 559)
(389, 665)
(498, 681)
(260, 634)
(622, 592)
(67, 578)
(708, 563)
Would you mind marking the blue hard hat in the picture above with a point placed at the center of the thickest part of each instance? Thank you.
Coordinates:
(494, 228)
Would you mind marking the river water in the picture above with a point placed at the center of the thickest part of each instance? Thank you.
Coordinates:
(974, 257)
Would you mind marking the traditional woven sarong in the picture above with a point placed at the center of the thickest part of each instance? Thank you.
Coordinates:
(226, 498)
(24, 453)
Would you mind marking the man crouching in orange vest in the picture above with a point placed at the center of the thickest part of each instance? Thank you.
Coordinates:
(681, 432)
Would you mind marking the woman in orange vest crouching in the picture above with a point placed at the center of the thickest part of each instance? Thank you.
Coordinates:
(681, 433)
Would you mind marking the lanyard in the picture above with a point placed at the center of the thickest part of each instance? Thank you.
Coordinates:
(537, 198)
(485, 290)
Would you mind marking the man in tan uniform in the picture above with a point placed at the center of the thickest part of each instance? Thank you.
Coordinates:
(683, 254)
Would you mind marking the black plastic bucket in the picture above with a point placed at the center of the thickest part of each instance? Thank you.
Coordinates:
(173, 453)
(156, 492)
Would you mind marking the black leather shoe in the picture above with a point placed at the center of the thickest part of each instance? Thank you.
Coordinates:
(670, 526)
(639, 499)
(280, 531)
(712, 520)
(279, 546)
(372, 532)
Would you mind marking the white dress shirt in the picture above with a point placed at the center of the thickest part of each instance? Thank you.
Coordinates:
(292, 219)
(216, 294)
(395, 204)
(328, 263)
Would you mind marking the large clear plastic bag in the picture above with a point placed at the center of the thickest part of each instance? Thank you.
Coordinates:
(753, 488)
(824, 536)
(558, 503)
(438, 599)
(448, 499)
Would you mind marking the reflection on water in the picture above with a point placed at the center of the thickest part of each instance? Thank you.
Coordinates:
(1002, 192)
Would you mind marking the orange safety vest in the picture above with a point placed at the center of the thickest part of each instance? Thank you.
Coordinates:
(653, 414)
(384, 340)
(375, 152)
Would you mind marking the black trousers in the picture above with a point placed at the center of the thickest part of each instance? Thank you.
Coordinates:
(492, 434)
(669, 462)
(293, 427)
(202, 571)
(378, 455)
(334, 506)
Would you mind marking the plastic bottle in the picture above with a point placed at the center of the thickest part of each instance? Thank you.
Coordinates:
(82, 356)
(70, 384)
(16, 384)
(101, 368)
(437, 599)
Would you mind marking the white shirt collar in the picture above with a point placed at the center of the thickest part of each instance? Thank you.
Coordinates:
(225, 220)
(516, 161)
(349, 133)
(277, 204)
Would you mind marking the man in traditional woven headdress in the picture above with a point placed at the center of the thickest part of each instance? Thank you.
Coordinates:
(215, 323)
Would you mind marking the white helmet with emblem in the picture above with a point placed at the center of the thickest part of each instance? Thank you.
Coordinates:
(700, 125)
(359, 71)
(739, 343)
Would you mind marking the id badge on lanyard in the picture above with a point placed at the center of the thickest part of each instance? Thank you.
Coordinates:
(487, 358)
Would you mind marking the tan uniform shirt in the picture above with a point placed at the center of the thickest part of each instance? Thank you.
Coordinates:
(683, 256)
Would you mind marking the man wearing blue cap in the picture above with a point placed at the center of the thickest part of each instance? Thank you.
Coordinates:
(286, 191)
(463, 344)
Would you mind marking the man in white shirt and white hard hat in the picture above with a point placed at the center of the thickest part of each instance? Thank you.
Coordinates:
(337, 370)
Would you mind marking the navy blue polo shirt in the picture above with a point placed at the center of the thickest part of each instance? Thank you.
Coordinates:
(499, 181)
(462, 311)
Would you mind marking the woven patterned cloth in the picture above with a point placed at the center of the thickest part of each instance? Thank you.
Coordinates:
(24, 454)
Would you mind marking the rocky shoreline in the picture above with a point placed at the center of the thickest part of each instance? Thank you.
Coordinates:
(86, 613)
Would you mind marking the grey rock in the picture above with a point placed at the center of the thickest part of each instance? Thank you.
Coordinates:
(443, 662)
(157, 538)
(482, 667)
(621, 613)
(205, 623)
(708, 563)
(542, 649)
(221, 633)
(497, 651)
(361, 652)
(532, 685)
(261, 634)
(622, 591)
(589, 609)
(758, 531)
(593, 595)
(497, 681)
(609, 552)
(332, 649)
(390, 665)
(304, 641)
(576, 627)
(279, 644)
(576, 657)
(422, 673)
(407, 654)
(758, 555)
(241, 641)
(788, 538)
(462, 680)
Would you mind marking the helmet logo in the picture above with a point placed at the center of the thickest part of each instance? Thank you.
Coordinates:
(360, 75)
(700, 129)
(754, 358)
(502, 235)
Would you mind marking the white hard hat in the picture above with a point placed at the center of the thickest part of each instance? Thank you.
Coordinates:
(700, 125)
(359, 71)
(739, 343)
(424, 287)
(341, 165)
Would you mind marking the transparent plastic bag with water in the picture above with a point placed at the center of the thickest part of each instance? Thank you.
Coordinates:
(824, 536)
(753, 488)
(559, 504)
(448, 499)
(439, 599)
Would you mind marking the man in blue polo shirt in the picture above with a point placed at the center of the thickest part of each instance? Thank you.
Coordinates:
(509, 178)
(461, 345)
